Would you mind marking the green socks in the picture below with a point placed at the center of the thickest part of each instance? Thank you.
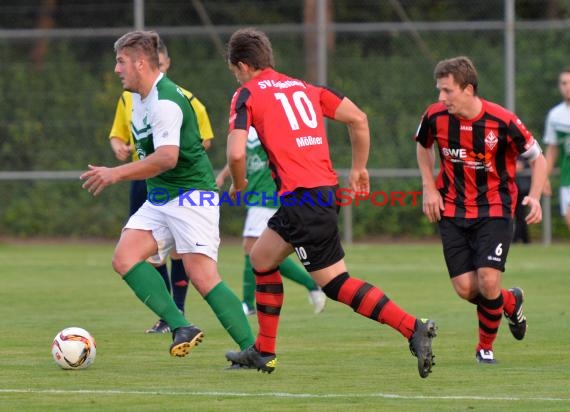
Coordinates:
(149, 287)
(296, 273)
(248, 284)
(229, 312)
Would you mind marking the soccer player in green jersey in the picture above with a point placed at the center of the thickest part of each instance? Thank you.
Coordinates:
(557, 139)
(262, 203)
(122, 143)
(179, 177)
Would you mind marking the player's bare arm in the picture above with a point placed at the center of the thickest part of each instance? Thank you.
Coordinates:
(97, 178)
(236, 154)
(222, 176)
(432, 203)
(121, 149)
(538, 179)
(357, 123)
(551, 156)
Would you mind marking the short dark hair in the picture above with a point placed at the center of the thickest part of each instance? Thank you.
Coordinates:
(461, 68)
(161, 47)
(140, 42)
(252, 47)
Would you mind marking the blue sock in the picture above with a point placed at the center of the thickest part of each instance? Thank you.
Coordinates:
(163, 270)
(179, 283)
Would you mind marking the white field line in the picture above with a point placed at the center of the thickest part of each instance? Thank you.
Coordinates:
(281, 395)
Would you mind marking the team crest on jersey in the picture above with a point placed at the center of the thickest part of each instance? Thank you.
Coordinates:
(141, 153)
(255, 164)
(491, 140)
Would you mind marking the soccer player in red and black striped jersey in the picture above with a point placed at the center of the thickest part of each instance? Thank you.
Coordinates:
(289, 116)
(474, 195)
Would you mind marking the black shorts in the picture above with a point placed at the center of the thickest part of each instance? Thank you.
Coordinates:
(470, 244)
(308, 220)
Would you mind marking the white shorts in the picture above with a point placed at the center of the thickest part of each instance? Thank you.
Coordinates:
(256, 220)
(189, 229)
(564, 199)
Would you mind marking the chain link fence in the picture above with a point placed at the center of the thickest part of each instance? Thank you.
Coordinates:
(59, 91)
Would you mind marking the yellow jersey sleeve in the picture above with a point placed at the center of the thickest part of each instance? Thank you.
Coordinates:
(121, 128)
(204, 125)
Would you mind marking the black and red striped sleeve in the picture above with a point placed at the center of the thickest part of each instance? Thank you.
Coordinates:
(239, 116)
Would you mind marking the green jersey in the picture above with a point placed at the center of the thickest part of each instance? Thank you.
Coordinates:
(165, 117)
(557, 132)
(258, 174)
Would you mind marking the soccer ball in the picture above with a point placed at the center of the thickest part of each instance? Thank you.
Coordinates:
(73, 348)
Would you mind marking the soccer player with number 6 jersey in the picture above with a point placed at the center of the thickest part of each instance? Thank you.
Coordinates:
(289, 117)
(474, 196)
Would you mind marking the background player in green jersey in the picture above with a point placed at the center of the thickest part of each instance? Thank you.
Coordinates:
(557, 139)
(265, 205)
(122, 143)
(178, 175)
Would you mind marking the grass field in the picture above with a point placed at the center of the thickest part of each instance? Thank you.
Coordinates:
(335, 361)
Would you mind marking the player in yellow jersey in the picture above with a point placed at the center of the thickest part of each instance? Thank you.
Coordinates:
(121, 140)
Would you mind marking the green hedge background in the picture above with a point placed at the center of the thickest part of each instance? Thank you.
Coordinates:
(56, 114)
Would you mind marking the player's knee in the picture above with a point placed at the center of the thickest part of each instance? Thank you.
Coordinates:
(120, 265)
(465, 291)
(262, 262)
(465, 294)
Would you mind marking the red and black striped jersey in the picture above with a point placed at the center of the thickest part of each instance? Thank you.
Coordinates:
(478, 158)
(288, 115)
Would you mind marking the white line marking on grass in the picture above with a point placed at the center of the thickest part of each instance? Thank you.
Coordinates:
(283, 395)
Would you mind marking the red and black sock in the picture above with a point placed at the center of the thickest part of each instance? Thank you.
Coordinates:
(269, 299)
(490, 313)
(509, 301)
(371, 302)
